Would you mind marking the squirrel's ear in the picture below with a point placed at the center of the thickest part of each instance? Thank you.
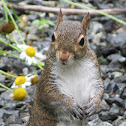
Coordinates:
(59, 18)
(85, 22)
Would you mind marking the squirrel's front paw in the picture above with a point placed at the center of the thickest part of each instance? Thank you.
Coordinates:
(90, 108)
(77, 112)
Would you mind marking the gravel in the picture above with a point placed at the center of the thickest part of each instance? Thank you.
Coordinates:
(107, 38)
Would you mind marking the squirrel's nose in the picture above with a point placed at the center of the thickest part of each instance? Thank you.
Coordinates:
(64, 55)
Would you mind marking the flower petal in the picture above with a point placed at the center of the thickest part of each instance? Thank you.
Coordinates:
(23, 55)
(29, 60)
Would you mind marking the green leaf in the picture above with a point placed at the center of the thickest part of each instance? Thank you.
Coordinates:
(40, 27)
(1, 54)
(43, 21)
(50, 23)
(2, 21)
(37, 21)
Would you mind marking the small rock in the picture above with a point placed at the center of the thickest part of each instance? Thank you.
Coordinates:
(104, 106)
(109, 26)
(105, 116)
(115, 100)
(115, 110)
(108, 51)
(25, 71)
(123, 124)
(121, 79)
(94, 27)
(117, 74)
(104, 124)
(118, 121)
(122, 60)
(112, 114)
(98, 122)
(10, 119)
(115, 57)
(32, 17)
(121, 86)
(94, 122)
(1, 122)
(110, 87)
(5, 95)
(96, 48)
(115, 64)
(25, 119)
(123, 95)
(2, 90)
(117, 40)
(32, 37)
(17, 37)
(17, 125)
(124, 115)
(123, 51)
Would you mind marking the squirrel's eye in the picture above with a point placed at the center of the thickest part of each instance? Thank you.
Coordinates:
(81, 42)
(53, 38)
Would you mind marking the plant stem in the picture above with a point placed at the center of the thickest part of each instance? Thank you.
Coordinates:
(40, 63)
(13, 39)
(13, 11)
(14, 47)
(7, 88)
(10, 54)
(34, 69)
(100, 12)
(7, 74)
(39, 66)
(13, 21)
(5, 12)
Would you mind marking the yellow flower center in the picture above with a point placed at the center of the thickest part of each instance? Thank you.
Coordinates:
(30, 51)
(34, 80)
(20, 80)
(19, 93)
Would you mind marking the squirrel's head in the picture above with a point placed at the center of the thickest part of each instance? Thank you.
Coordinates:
(69, 41)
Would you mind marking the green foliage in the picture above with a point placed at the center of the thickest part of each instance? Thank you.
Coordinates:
(42, 22)
(2, 21)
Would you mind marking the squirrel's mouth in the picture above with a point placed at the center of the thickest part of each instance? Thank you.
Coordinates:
(64, 57)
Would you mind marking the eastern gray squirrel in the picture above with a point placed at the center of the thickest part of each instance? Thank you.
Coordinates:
(70, 87)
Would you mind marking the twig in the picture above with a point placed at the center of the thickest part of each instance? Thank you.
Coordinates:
(97, 11)
(65, 11)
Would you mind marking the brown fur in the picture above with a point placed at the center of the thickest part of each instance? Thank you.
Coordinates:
(47, 96)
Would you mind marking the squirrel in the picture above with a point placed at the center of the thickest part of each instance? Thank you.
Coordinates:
(70, 87)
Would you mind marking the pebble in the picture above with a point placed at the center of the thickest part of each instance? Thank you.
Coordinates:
(104, 106)
(112, 114)
(117, 40)
(110, 87)
(123, 124)
(115, 57)
(123, 95)
(108, 51)
(115, 100)
(123, 51)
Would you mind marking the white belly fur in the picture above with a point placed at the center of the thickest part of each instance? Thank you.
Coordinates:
(75, 81)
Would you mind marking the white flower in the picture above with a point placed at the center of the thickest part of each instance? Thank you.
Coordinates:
(29, 54)
(24, 81)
